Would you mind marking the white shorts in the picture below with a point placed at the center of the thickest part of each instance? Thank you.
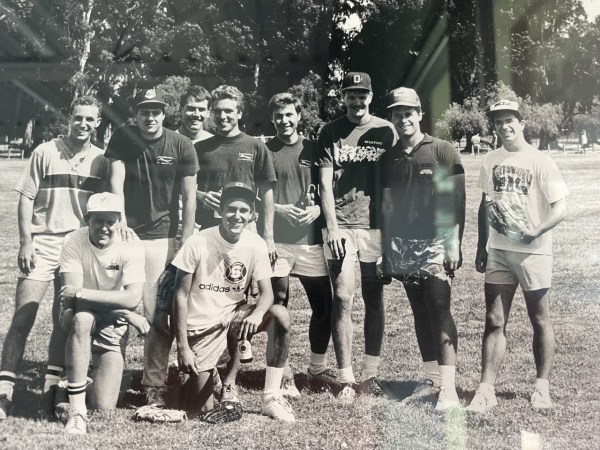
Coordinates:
(47, 248)
(300, 260)
(532, 272)
(361, 244)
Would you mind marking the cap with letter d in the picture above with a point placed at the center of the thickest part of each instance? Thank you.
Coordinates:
(357, 80)
(403, 96)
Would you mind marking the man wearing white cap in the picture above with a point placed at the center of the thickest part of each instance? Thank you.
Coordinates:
(524, 197)
(103, 279)
(424, 214)
(348, 152)
(150, 167)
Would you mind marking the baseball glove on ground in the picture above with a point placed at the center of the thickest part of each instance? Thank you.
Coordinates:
(502, 218)
(223, 413)
(150, 413)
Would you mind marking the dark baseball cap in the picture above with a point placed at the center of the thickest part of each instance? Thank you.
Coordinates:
(357, 80)
(238, 190)
(150, 97)
(504, 105)
(403, 96)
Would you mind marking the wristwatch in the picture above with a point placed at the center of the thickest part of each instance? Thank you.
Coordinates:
(78, 295)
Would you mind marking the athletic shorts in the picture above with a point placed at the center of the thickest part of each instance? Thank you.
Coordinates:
(208, 344)
(531, 271)
(47, 248)
(300, 260)
(112, 337)
(361, 244)
(415, 259)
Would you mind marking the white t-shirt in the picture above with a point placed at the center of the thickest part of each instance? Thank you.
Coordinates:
(527, 182)
(222, 272)
(108, 269)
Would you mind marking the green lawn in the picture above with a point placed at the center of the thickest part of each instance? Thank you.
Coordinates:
(374, 422)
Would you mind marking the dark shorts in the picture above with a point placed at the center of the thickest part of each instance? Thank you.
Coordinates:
(414, 259)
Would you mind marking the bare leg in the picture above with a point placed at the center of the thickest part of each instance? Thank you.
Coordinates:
(58, 338)
(538, 307)
(341, 316)
(108, 373)
(372, 293)
(423, 330)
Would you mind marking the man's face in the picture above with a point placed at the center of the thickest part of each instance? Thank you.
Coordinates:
(227, 116)
(83, 121)
(102, 228)
(508, 126)
(407, 120)
(357, 102)
(193, 115)
(285, 119)
(236, 214)
(150, 120)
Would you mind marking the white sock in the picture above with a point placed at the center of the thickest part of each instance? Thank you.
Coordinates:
(7, 383)
(346, 375)
(432, 372)
(52, 377)
(486, 387)
(369, 367)
(448, 376)
(542, 384)
(318, 362)
(76, 393)
(273, 378)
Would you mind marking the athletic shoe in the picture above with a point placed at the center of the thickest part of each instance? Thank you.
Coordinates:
(155, 396)
(540, 400)
(288, 388)
(370, 386)
(278, 408)
(423, 391)
(322, 380)
(482, 402)
(448, 398)
(347, 394)
(76, 423)
(5, 406)
(217, 383)
(230, 394)
(223, 413)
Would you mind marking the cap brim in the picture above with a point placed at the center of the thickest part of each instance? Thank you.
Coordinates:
(491, 114)
(414, 105)
(357, 88)
(151, 102)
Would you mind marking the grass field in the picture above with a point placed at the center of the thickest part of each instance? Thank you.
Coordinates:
(374, 422)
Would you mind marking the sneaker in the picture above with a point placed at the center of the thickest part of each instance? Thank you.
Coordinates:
(371, 386)
(423, 391)
(5, 406)
(322, 380)
(230, 394)
(540, 400)
(347, 394)
(217, 383)
(448, 398)
(155, 396)
(76, 423)
(288, 388)
(482, 402)
(278, 408)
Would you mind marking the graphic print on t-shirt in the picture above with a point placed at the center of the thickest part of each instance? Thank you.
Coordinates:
(369, 151)
(511, 188)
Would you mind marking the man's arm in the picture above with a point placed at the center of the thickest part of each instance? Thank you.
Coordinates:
(97, 300)
(452, 256)
(333, 239)
(251, 324)
(186, 357)
(558, 211)
(266, 190)
(188, 190)
(482, 233)
(117, 181)
(26, 257)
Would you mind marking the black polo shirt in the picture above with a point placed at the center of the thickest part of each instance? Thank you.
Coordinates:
(427, 188)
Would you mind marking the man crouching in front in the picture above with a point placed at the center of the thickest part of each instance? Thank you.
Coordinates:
(214, 268)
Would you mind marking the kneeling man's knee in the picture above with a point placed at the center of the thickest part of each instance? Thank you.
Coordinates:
(281, 316)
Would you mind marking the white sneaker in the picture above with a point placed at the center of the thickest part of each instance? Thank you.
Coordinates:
(76, 423)
(448, 398)
(423, 391)
(482, 402)
(289, 389)
(347, 394)
(540, 400)
(278, 408)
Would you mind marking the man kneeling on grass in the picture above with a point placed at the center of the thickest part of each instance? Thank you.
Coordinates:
(103, 279)
(214, 268)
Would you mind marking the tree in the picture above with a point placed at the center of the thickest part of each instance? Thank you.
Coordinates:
(310, 92)
(462, 120)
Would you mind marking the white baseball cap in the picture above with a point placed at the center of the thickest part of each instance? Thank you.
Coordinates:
(104, 202)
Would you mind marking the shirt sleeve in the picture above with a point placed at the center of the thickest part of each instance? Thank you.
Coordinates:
(134, 262)
(552, 183)
(188, 257)
(114, 148)
(262, 265)
(263, 169)
(325, 148)
(33, 173)
(70, 256)
(484, 176)
(188, 162)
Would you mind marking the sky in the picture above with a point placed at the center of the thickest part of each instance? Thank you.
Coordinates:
(592, 8)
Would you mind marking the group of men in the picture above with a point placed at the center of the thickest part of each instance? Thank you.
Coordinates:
(230, 216)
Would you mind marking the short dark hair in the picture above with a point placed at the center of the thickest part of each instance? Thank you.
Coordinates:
(87, 100)
(196, 92)
(282, 100)
(229, 92)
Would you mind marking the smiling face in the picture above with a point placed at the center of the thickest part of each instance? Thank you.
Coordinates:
(236, 214)
(407, 120)
(227, 116)
(509, 127)
(102, 228)
(193, 115)
(285, 119)
(150, 120)
(357, 103)
(82, 122)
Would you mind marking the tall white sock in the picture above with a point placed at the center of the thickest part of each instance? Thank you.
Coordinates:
(318, 362)
(542, 384)
(7, 383)
(52, 377)
(346, 375)
(448, 376)
(76, 393)
(432, 372)
(370, 366)
(273, 378)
